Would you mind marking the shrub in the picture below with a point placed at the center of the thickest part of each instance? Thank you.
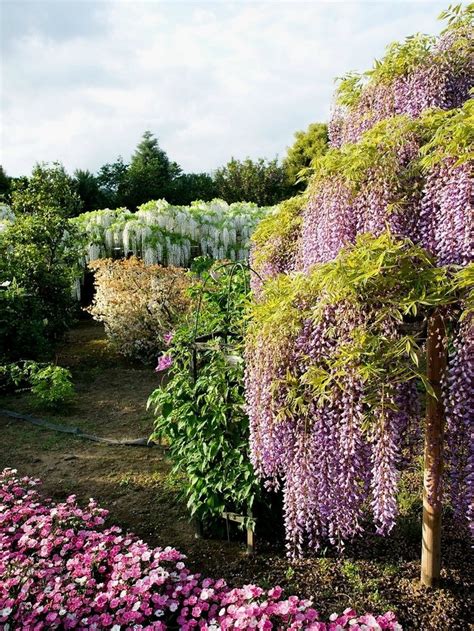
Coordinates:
(51, 385)
(200, 408)
(62, 569)
(22, 323)
(39, 256)
(138, 304)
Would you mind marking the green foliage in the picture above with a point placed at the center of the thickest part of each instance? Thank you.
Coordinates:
(452, 135)
(111, 180)
(48, 191)
(51, 385)
(200, 408)
(381, 279)
(5, 185)
(403, 57)
(87, 187)
(39, 257)
(189, 187)
(308, 146)
(150, 173)
(260, 181)
(441, 134)
(377, 149)
(278, 233)
(22, 324)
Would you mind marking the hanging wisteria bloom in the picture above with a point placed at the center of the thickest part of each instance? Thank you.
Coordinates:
(335, 346)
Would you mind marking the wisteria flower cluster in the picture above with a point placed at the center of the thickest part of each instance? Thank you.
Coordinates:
(171, 235)
(421, 73)
(395, 164)
(61, 568)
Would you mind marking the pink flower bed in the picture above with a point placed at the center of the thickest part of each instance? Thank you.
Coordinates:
(61, 568)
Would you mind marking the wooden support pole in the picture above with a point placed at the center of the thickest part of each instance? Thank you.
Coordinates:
(436, 360)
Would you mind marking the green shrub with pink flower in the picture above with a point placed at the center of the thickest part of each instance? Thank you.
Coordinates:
(61, 567)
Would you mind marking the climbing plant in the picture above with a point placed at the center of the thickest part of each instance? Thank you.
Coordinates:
(380, 243)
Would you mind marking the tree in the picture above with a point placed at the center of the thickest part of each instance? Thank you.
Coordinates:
(39, 259)
(5, 185)
(308, 146)
(111, 181)
(189, 187)
(87, 187)
(48, 190)
(260, 181)
(150, 174)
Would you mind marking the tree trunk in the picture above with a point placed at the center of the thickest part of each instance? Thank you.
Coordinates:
(436, 360)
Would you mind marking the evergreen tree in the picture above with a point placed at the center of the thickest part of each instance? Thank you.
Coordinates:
(87, 187)
(111, 180)
(150, 174)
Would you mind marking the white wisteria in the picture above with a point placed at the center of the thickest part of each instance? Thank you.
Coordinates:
(6, 216)
(171, 235)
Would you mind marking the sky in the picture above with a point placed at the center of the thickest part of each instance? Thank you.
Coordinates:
(82, 80)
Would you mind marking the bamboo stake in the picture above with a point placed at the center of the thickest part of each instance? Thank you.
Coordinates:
(436, 360)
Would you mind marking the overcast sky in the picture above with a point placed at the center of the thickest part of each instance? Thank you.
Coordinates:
(82, 80)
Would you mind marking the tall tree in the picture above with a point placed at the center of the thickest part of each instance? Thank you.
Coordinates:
(111, 180)
(260, 181)
(150, 174)
(189, 187)
(5, 185)
(87, 187)
(39, 257)
(49, 189)
(308, 146)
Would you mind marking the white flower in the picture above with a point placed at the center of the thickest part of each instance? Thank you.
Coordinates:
(6, 612)
(116, 627)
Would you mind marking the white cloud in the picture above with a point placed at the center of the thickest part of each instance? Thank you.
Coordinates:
(211, 80)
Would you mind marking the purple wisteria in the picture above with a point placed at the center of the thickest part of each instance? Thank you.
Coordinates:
(333, 469)
(442, 79)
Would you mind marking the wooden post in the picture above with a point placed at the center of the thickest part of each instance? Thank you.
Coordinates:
(250, 537)
(436, 360)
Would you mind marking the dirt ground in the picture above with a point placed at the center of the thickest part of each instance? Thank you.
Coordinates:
(135, 485)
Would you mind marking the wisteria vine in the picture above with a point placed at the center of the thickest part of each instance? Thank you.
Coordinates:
(335, 346)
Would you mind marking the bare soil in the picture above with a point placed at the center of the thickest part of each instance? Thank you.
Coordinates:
(135, 485)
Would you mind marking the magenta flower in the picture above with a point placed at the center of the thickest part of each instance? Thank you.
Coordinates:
(168, 337)
(138, 586)
(164, 362)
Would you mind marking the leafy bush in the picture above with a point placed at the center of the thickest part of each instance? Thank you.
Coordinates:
(261, 181)
(200, 408)
(138, 304)
(39, 257)
(51, 385)
(22, 323)
(61, 569)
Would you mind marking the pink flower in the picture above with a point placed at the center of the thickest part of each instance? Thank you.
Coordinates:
(138, 585)
(164, 363)
(168, 337)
